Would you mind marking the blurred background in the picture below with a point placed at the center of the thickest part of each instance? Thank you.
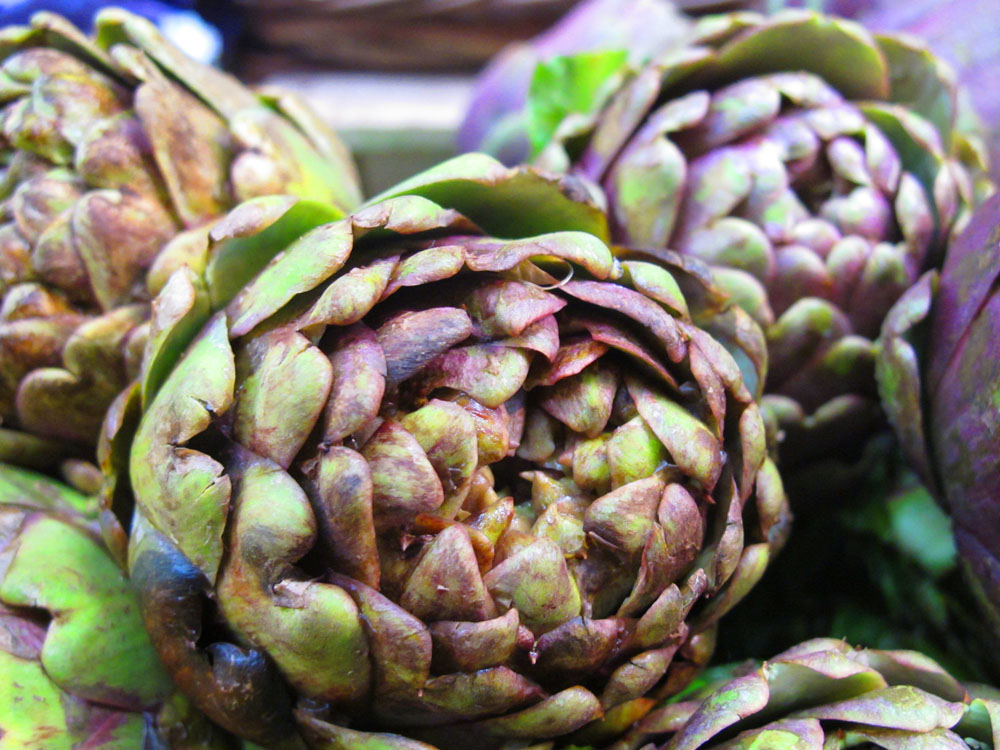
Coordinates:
(396, 77)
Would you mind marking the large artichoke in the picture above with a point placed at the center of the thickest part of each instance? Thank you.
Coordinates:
(446, 469)
(78, 667)
(815, 166)
(111, 146)
(825, 695)
(939, 376)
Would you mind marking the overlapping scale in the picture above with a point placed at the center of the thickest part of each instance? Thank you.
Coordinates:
(78, 666)
(824, 694)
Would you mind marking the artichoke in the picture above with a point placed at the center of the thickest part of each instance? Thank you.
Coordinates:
(939, 376)
(111, 146)
(79, 670)
(445, 471)
(825, 695)
(819, 186)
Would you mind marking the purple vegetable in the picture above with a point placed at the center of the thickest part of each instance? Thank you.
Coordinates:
(939, 377)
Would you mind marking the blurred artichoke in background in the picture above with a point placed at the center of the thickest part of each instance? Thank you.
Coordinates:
(417, 482)
(939, 377)
(819, 186)
(824, 695)
(78, 667)
(111, 146)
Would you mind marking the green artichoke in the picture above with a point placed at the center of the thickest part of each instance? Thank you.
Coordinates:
(825, 695)
(110, 147)
(79, 670)
(814, 166)
(445, 471)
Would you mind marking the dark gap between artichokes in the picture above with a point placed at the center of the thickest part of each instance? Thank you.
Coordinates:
(446, 471)
(111, 145)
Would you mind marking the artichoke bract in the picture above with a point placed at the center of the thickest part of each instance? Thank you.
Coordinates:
(111, 145)
(939, 376)
(824, 695)
(814, 166)
(445, 471)
(78, 667)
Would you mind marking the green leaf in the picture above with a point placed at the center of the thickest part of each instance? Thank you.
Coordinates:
(27, 685)
(913, 137)
(26, 489)
(981, 722)
(572, 84)
(184, 492)
(839, 51)
(96, 646)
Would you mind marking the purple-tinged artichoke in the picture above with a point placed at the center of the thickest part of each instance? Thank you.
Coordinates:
(77, 668)
(939, 377)
(445, 471)
(111, 145)
(813, 165)
(824, 695)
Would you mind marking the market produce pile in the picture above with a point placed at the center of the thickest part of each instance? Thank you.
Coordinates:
(498, 458)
